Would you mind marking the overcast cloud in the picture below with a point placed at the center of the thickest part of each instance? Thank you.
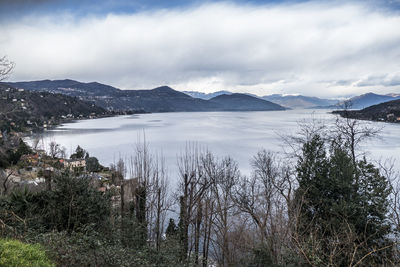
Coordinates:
(311, 48)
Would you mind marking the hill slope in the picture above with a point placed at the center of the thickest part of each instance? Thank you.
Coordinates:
(243, 102)
(21, 109)
(388, 111)
(67, 87)
(160, 99)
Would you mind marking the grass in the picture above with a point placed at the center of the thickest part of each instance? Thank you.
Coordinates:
(14, 253)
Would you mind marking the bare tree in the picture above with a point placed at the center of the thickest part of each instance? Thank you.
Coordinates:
(223, 176)
(5, 182)
(54, 149)
(292, 143)
(352, 133)
(6, 68)
(159, 201)
(266, 197)
(149, 196)
(192, 188)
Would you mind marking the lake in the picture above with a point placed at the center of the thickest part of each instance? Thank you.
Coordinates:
(237, 134)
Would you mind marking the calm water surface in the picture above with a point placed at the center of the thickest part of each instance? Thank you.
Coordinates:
(237, 134)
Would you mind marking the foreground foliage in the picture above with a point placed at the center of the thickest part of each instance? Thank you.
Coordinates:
(14, 253)
(322, 206)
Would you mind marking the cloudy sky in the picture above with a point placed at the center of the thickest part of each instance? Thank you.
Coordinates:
(321, 48)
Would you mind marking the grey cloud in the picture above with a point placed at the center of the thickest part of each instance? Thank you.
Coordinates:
(380, 80)
(393, 81)
(343, 82)
(213, 47)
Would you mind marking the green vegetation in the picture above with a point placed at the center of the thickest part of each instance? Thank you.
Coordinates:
(12, 151)
(14, 253)
(340, 201)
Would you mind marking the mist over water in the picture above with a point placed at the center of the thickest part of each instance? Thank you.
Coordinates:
(236, 134)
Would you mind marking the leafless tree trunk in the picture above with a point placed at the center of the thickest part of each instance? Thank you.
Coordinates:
(192, 187)
(160, 201)
(266, 198)
(152, 200)
(4, 178)
(223, 176)
(207, 226)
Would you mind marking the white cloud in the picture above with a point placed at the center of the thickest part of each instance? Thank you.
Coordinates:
(298, 48)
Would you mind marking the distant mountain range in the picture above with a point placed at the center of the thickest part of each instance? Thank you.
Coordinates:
(299, 101)
(289, 101)
(365, 100)
(206, 96)
(160, 99)
(166, 99)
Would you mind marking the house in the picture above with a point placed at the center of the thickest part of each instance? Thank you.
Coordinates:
(74, 164)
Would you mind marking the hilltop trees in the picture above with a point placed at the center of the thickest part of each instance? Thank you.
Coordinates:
(80, 153)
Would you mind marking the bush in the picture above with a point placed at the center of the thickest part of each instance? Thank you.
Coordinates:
(92, 164)
(18, 254)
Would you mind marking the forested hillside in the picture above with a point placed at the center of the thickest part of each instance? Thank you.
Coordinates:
(21, 110)
(388, 111)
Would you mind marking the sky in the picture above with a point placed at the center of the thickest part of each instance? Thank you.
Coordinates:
(317, 48)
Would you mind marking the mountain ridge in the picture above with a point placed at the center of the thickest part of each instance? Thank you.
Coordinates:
(159, 99)
(237, 101)
(366, 100)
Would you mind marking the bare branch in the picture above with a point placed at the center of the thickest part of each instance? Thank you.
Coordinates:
(6, 67)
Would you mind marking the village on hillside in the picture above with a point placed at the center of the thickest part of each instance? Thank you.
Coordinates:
(34, 169)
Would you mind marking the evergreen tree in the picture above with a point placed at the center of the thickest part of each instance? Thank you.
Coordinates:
(342, 206)
(92, 164)
(80, 153)
(172, 229)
